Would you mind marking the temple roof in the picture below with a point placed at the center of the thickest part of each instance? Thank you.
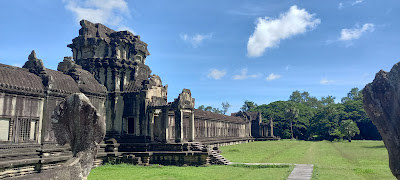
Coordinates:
(88, 84)
(19, 79)
(216, 116)
(61, 82)
(247, 115)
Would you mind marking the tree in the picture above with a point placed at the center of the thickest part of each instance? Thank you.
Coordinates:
(248, 106)
(217, 110)
(327, 100)
(296, 97)
(349, 128)
(210, 109)
(291, 113)
(355, 111)
(354, 94)
(305, 98)
(201, 107)
(225, 107)
(325, 123)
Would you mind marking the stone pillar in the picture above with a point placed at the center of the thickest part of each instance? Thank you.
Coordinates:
(178, 125)
(136, 120)
(165, 125)
(191, 127)
(271, 123)
(151, 116)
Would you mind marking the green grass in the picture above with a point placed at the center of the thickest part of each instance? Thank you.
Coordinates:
(124, 171)
(332, 160)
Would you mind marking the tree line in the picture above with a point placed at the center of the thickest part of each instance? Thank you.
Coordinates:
(306, 117)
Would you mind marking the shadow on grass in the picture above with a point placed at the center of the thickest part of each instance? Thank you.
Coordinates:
(380, 146)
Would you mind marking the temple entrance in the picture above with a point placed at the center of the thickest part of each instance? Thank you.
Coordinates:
(131, 125)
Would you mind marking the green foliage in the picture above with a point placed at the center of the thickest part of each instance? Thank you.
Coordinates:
(354, 95)
(326, 121)
(327, 100)
(211, 109)
(316, 119)
(248, 106)
(349, 129)
(276, 111)
(291, 114)
(225, 107)
(304, 98)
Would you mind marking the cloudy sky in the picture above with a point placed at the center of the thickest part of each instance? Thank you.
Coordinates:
(224, 50)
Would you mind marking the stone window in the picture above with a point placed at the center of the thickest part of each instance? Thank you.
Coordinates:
(4, 129)
(27, 129)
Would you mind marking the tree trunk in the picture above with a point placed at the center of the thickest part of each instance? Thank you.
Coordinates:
(291, 128)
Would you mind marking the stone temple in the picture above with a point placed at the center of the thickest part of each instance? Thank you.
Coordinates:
(109, 68)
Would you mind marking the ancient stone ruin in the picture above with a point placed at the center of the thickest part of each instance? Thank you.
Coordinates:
(142, 127)
(382, 104)
(76, 122)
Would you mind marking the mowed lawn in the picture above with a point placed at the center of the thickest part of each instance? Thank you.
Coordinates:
(124, 171)
(332, 160)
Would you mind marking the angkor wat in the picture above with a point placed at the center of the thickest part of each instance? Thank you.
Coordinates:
(109, 68)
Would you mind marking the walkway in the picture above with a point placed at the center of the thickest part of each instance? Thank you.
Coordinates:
(301, 172)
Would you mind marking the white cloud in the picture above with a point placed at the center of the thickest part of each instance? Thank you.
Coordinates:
(108, 12)
(17, 64)
(355, 33)
(216, 74)
(269, 32)
(273, 76)
(357, 2)
(124, 28)
(340, 6)
(244, 75)
(196, 39)
(325, 81)
(346, 4)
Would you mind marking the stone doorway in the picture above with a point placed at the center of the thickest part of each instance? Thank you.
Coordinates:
(131, 125)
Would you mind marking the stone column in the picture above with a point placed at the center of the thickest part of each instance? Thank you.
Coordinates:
(151, 116)
(136, 120)
(191, 127)
(178, 125)
(271, 123)
(165, 123)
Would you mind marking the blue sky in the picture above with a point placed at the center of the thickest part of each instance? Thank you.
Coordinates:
(231, 51)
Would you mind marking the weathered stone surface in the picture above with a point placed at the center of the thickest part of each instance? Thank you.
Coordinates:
(34, 64)
(99, 41)
(185, 100)
(76, 122)
(382, 104)
(86, 81)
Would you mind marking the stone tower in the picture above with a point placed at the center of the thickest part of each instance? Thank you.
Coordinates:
(117, 60)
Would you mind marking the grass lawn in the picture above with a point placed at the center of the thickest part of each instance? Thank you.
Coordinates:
(332, 160)
(123, 171)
